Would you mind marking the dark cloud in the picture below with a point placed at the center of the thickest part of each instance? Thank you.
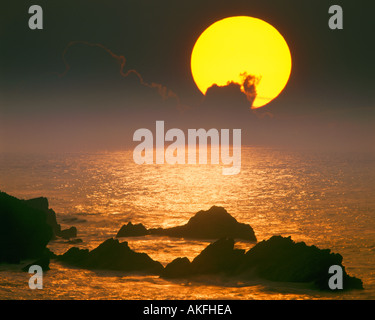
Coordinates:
(233, 92)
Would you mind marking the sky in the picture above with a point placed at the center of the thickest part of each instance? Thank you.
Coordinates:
(98, 71)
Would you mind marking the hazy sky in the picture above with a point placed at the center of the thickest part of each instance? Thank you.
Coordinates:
(66, 87)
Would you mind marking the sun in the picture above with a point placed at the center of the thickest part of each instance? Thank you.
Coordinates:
(242, 50)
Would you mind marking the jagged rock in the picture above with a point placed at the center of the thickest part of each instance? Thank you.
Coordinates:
(112, 255)
(132, 230)
(282, 259)
(43, 262)
(74, 256)
(50, 254)
(276, 259)
(218, 257)
(214, 223)
(41, 203)
(52, 221)
(68, 233)
(24, 232)
(75, 241)
(178, 268)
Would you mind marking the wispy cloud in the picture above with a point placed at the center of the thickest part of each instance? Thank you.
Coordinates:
(162, 90)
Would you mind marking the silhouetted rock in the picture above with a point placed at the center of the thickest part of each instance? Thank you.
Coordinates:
(132, 230)
(74, 256)
(277, 259)
(75, 241)
(214, 223)
(50, 254)
(52, 221)
(41, 203)
(218, 257)
(24, 232)
(68, 233)
(281, 259)
(43, 262)
(73, 220)
(112, 255)
(178, 268)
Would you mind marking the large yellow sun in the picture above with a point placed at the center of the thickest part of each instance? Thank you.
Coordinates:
(239, 48)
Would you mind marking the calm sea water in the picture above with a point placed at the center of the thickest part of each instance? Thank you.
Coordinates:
(325, 199)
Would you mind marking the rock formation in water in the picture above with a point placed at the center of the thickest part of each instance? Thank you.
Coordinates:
(41, 203)
(282, 259)
(214, 223)
(219, 257)
(68, 233)
(178, 268)
(132, 230)
(26, 227)
(75, 241)
(75, 220)
(24, 230)
(111, 255)
(43, 262)
(276, 259)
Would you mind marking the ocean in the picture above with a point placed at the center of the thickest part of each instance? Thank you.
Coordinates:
(325, 199)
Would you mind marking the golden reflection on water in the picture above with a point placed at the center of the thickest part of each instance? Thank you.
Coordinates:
(69, 283)
(326, 200)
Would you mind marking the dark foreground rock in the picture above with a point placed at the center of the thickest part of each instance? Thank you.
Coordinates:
(178, 268)
(112, 255)
(41, 203)
(277, 259)
(24, 231)
(219, 257)
(43, 262)
(214, 223)
(282, 259)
